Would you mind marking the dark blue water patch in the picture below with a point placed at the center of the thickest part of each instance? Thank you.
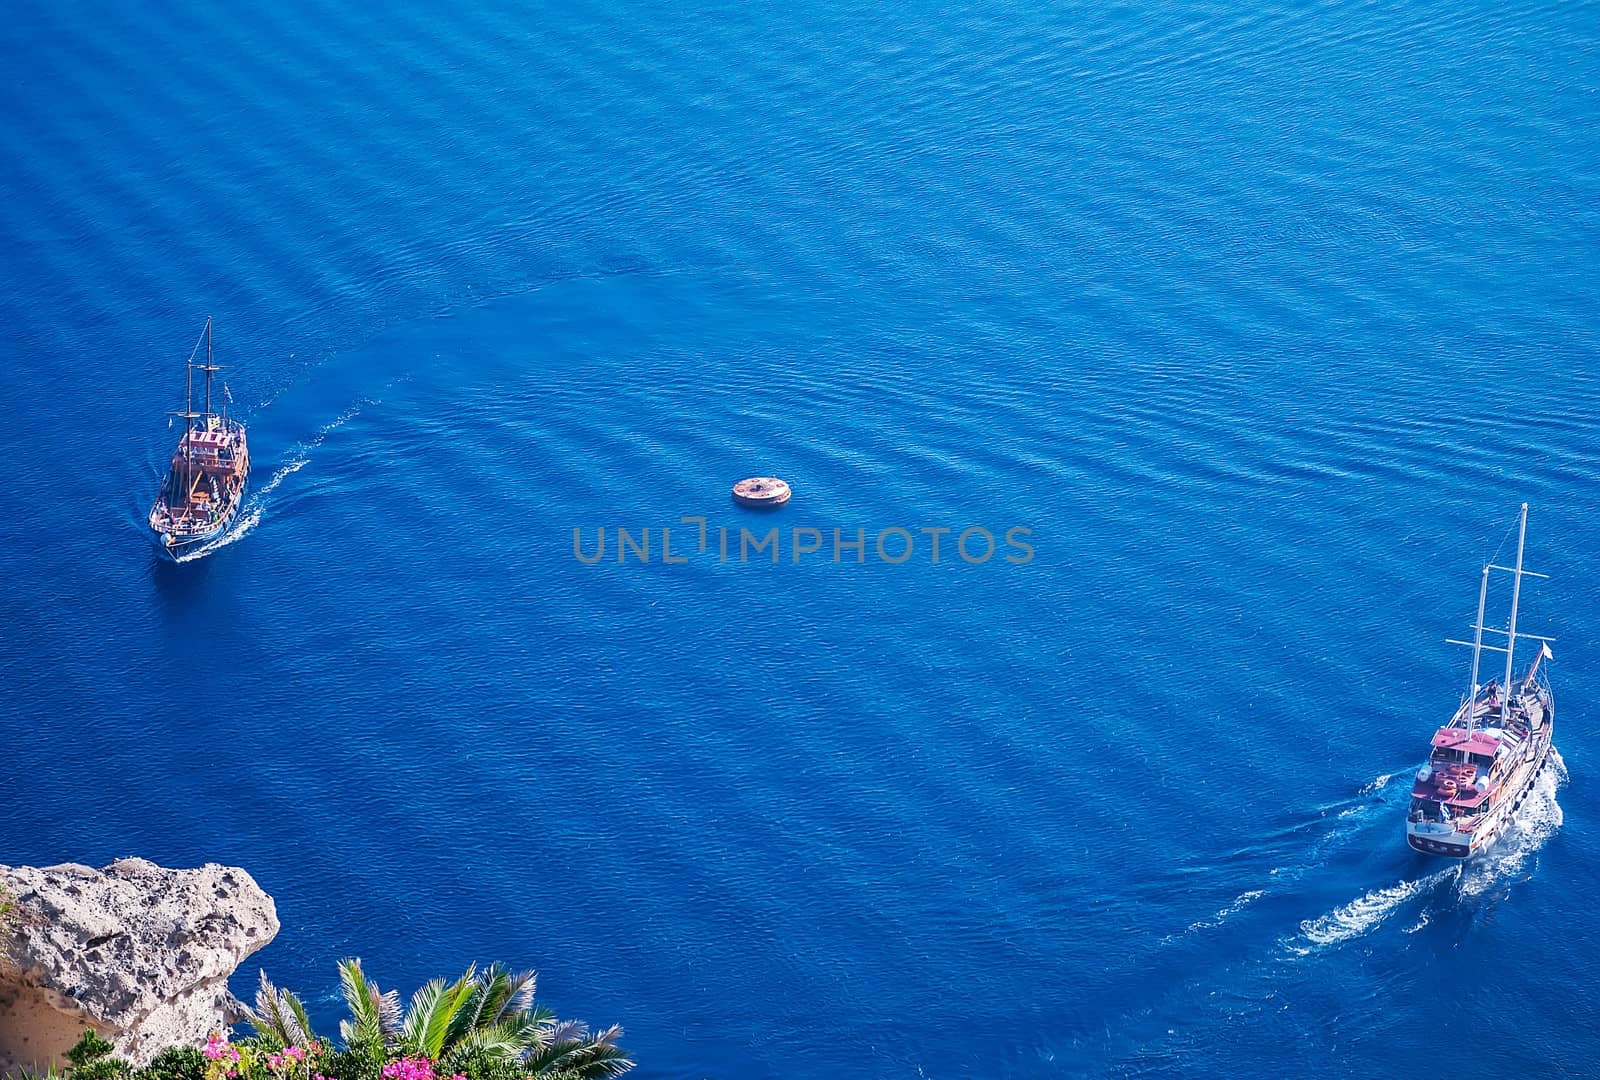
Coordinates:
(1262, 324)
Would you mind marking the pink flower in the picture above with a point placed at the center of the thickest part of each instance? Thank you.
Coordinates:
(408, 1068)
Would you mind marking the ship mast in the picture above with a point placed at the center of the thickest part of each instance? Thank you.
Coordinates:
(188, 427)
(210, 367)
(1511, 634)
(1477, 650)
(189, 415)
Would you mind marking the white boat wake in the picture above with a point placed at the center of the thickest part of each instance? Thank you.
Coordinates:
(1262, 979)
(1370, 798)
(1376, 785)
(1535, 824)
(1363, 914)
(257, 503)
(1240, 902)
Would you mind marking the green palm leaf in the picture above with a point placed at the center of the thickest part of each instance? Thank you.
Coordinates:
(507, 993)
(279, 1016)
(482, 1015)
(573, 1053)
(374, 1016)
(504, 1040)
(497, 996)
(432, 1015)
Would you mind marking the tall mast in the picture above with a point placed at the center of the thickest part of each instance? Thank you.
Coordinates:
(1477, 649)
(188, 414)
(188, 426)
(210, 367)
(1511, 635)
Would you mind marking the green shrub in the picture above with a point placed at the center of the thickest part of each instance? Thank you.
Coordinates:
(8, 919)
(175, 1063)
(484, 1026)
(102, 1069)
(355, 1063)
(88, 1049)
(482, 1066)
(91, 1060)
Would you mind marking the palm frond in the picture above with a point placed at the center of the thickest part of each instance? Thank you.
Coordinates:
(508, 993)
(389, 1012)
(565, 1031)
(609, 1036)
(432, 1014)
(504, 1040)
(262, 1016)
(473, 1013)
(374, 1016)
(497, 995)
(298, 1010)
(424, 1005)
(585, 1057)
(279, 1016)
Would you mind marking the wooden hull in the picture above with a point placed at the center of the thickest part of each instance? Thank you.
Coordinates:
(174, 546)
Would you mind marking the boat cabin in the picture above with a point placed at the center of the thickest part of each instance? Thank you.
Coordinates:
(206, 450)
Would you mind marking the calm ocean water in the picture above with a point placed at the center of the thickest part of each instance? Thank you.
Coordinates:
(1262, 318)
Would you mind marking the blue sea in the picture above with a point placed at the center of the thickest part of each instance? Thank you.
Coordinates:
(1249, 325)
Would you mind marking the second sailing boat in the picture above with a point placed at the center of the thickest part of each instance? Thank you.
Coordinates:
(1483, 762)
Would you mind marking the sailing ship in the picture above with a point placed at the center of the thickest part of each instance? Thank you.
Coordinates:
(205, 483)
(1483, 763)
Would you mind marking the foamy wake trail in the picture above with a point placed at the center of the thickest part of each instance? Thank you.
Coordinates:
(1536, 823)
(1372, 796)
(257, 503)
(1363, 914)
(1338, 833)
(1376, 785)
(1240, 902)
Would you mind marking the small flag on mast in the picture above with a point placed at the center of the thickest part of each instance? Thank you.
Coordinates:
(226, 393)
(1544, 650)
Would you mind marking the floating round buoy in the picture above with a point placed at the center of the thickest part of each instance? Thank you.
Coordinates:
(761, 492)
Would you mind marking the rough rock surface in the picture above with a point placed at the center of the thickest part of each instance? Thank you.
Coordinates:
(139, 952)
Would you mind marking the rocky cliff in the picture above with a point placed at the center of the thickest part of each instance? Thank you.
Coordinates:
(138, 952)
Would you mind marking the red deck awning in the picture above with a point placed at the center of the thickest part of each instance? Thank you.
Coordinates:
(1454, 738)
